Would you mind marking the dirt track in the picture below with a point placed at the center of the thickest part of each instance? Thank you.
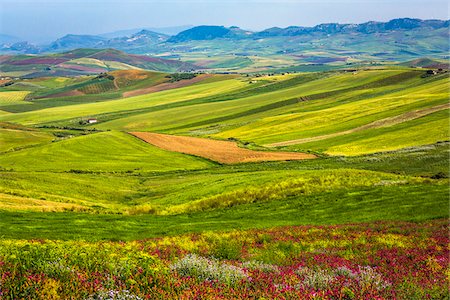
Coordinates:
(377, 124)
(166, 86)
(220, 151)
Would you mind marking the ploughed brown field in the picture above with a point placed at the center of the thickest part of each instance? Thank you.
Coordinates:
(221, 151)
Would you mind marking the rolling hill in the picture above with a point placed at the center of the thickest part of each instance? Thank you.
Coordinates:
(256, 174)
(295, 48)
(200, 33)
(85, 61)
(72, 41)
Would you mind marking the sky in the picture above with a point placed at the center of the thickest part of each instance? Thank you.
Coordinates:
(46, 20)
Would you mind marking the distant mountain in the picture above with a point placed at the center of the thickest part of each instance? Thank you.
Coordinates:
(173, 30)
(367, 28)
(73, 41)
(204, 32)
(162, 30)
(120, 33)
(396, 40)
(141, 38)
(200, 33)
(8, 39)
(21, 47)
(137, 42)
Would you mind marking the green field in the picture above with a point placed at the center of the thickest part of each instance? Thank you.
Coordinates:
(104, 170)
(87, 209)
(324, 191)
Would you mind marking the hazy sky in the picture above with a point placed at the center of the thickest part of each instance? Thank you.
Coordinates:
(48, 19)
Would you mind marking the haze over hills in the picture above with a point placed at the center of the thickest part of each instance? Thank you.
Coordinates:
(172, 30)
(232, 49)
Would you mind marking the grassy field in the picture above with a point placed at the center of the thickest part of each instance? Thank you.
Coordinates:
(99, 152)
(331, 113)
(214, 197)
(103, 203)
(12, 139)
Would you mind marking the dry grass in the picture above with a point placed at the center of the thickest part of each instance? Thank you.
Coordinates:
(220, 151)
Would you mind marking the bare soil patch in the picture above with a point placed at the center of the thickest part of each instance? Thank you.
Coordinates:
(166, 86)
(220, 151)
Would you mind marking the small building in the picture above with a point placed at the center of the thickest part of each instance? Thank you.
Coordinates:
(92, 121)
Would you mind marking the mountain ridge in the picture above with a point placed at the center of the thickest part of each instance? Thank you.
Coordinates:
(211, 32)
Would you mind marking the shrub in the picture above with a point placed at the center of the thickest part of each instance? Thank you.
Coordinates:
(316, 278)
(180, 76)
(344, 271)
(439, 175)
(258, 265)
(368, 278)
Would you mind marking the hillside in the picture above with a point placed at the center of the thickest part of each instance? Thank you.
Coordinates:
(256, 174)
(200, 33)
(85, 61)
(365, 28)
(342, 111)
(31, 94)
(296, 48)
(72, 41)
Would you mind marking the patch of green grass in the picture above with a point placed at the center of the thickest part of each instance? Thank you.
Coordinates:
(142, 190)
(123, 186)
(359, 205)
(106, 151)
(81, 110)
(305, 123)
(11, 139)
(236, 62)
